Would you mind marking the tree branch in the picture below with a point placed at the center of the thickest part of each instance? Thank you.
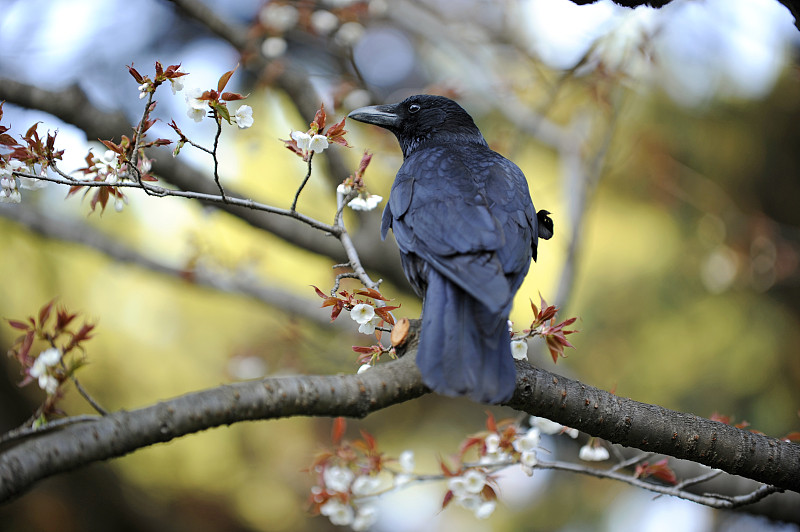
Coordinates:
(539, 392)
(72, 106)
(47, 226)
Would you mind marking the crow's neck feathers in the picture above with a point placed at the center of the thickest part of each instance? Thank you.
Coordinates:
(442, 137)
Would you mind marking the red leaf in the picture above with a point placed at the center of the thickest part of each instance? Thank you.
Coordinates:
(445, 469)
(385, 313)
(792, 436)
(447, 498)
(231, 96)
(491, 425)
(339, 426)
(21, 325)
(319, 118)
(365, 160)
(659, 470)
(319, 292)
(469, 443)
(73, 189)
(366, 349)
(27, 342)
(374, 294)
(83, 334)
(337, 309)
(111, 146)
(223, 80)
(135, 73)
(44, 313)
(369, 439)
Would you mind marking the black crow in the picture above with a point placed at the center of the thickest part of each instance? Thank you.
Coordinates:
(467, 230)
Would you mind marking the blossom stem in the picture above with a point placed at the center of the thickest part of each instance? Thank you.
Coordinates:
(303, 184)
(216, 160)
(89, 399)
(137, 140)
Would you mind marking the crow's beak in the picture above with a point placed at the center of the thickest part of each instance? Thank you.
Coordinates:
(379, 115)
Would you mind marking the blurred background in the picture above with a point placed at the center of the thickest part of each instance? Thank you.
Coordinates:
(664, 142)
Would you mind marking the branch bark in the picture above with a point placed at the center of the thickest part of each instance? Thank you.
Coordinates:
(539, 392)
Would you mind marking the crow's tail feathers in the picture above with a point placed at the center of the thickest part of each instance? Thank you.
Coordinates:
(464, 348)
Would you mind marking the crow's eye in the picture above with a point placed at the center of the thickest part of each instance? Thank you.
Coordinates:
(413, 108)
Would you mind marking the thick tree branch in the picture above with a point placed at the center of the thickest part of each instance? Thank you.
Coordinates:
(85, 235)
(539, 392)
(42, 455)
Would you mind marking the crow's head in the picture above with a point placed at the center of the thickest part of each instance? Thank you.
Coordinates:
(422, 119)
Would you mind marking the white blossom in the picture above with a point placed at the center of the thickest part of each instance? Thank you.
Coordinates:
(243, 116)
(10, 196)
(176, 84)
(337, 478)
(365, 204)
(46, 359)
(50, 357)
(9, 193)
(492, 443)
(457, 486)
(593, 453)
(485, 509)
(302, 139)
(366, 485)
(343, 189)
(519, 349)
(572, 433)
(366, 516)
(109, 159)
(143, 90)
(279, 17)
(196, 114)
(545, 426)
(497, 457)
(363, 368)
(29, 183)
(474, 481)
(470, 501)
(318, 143)
(362, 313)
(528, 461)
(324, 21)
(197, 107)
(369, 326)
(378, 8)
(49, 384)
(349, 34)
(407, 461)
(119, 203)
(274, 47)
(527, 442)
(337, 512)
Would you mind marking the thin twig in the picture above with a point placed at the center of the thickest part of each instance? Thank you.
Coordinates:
(348, 275)
(631, 461)
(712, 500)
(200, 196)
(89, 399)
(133, 167)
(216, 160)
(303, 184)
